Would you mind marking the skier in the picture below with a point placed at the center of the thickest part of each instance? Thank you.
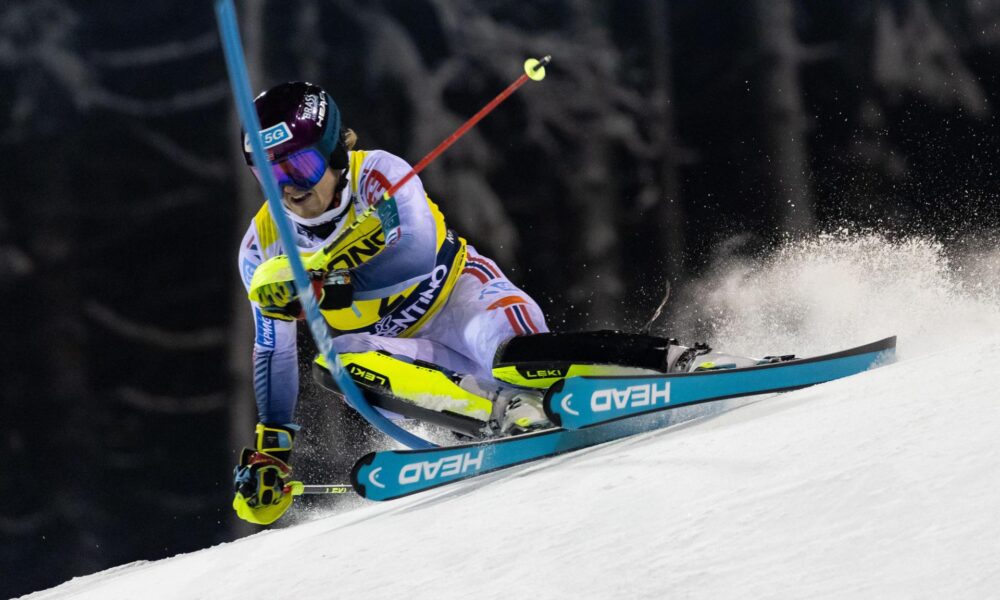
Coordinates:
(416, 304)
(427, 326)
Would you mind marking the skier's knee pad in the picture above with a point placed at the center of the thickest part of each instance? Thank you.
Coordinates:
(424, 385)
(542, 359)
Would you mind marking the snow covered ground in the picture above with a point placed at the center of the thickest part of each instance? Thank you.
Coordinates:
(882, 485)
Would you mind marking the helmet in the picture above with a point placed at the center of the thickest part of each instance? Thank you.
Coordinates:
(301, 131)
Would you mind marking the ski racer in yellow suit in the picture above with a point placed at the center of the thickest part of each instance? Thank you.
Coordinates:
(426, 325)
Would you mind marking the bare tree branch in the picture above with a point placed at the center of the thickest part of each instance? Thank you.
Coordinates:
(139, 107)
(170, 405)
(915, 54)
(151, 207)
(206, 338)
(203, 167)
(154, 55)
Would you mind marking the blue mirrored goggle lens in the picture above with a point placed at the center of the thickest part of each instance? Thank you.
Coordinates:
(302, 169)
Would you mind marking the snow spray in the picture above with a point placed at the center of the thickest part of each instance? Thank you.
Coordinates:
(841, 289)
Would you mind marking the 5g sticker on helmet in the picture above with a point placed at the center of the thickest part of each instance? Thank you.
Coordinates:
(276, 134)
(271, 137)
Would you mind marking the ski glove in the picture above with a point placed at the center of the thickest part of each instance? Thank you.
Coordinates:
(263, 492)
(273, 289)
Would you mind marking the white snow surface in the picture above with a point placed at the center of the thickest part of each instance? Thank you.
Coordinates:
(881, 485)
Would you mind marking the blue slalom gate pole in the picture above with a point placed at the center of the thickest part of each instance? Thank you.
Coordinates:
(240, 82)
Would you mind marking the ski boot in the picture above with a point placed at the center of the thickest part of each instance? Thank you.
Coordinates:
(517, 411)
(701, 357)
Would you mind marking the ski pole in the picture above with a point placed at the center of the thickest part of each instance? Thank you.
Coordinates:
(299, 488)
(534, 70)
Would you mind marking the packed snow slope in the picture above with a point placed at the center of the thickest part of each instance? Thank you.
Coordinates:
(882, 485)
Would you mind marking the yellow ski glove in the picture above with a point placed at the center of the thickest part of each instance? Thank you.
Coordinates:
(263, 492)
(273, 289)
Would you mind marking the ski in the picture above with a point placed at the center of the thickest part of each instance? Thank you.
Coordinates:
(391, 474)
(580, 402)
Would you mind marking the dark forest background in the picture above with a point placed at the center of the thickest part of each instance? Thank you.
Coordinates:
(666, 133)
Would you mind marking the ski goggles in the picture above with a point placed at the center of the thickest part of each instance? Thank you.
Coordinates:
(302, 169)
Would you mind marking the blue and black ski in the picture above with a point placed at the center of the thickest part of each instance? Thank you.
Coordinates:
(396, 473)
